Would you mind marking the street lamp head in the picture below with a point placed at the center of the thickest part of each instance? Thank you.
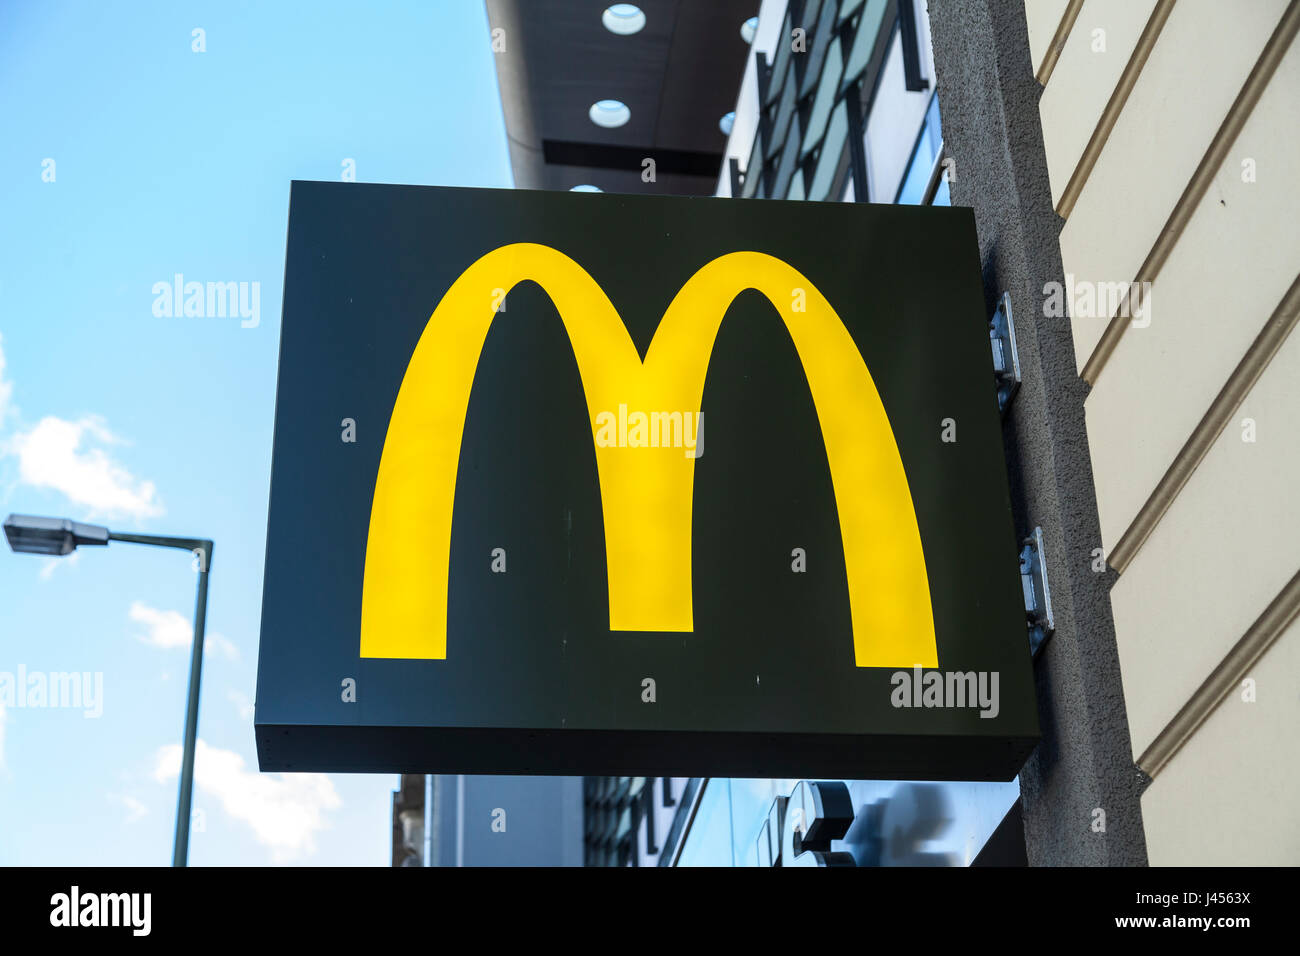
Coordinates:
(29, 534)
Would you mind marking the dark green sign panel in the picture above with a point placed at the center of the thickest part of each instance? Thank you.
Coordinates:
(597, 484)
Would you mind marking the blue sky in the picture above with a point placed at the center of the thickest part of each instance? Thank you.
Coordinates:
(165, 161)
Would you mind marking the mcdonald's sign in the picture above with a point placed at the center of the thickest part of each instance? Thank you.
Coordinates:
(502, 539)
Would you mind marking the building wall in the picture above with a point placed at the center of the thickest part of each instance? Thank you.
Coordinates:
(741, 139)
(895, 823)
(807, 144)
(1102, 143)
(503, 820)
(1080, 793)
(900, 139)
(1170, 138)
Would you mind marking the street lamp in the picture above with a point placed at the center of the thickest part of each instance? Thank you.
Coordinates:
(28, 534)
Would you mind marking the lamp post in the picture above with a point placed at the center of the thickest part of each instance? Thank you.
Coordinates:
(55, 537)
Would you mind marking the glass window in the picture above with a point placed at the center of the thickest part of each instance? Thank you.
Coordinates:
(821, 108)
(784, 113)
(893, 125)
(942, 195)
(808, 20)
(818, 45)
(847, 8)
(864, 41)
(754, 171)
(796, 186)
(709, 841)
(832, 149)
(789, 157)
(750, 802)
(919, 167)
(782, 60)
(899, 823)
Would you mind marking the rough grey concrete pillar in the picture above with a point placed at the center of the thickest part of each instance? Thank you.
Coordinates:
(988, 100)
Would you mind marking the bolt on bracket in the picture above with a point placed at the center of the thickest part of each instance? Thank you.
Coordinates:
(1038, 598)
(1006, 360)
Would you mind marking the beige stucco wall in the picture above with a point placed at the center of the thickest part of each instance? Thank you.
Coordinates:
(1227, 542)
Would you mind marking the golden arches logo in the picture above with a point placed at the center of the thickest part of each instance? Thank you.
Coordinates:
(646, 493)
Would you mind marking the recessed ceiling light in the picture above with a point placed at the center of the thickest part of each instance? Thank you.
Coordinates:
(623, 19)
(609, 113)
(748, 29)
(728, 120)
(585, 188)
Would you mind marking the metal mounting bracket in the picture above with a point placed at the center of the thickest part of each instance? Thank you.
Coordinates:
(1038, 599)
(1006, 360)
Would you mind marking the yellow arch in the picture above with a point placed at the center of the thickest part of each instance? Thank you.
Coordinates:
(646, 493)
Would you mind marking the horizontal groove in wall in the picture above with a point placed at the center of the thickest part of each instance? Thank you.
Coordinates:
(1211, 425)
(1114, 106)
(1224, 679)
(1058, 41)
(1200, 181)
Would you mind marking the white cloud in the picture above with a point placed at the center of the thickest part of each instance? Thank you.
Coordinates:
(222, 645)
(171, 629)
(53, 564)
(135, 809)
(6, 387)
(243, 706)
(285, 811)
(166, 629)
(66, 457)
(70, 457)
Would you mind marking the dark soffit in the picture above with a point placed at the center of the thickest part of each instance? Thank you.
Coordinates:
(679, 76)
